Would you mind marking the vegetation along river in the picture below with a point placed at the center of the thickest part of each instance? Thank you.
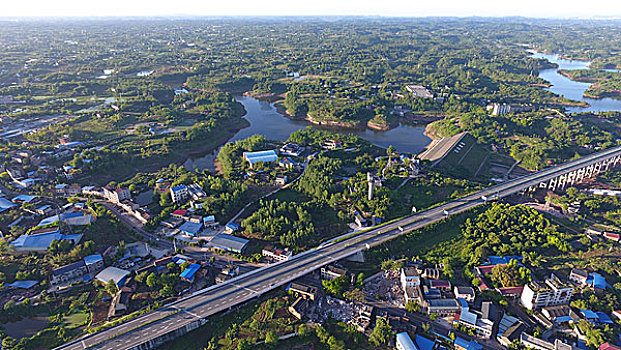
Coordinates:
(264, 119)
(574, 90)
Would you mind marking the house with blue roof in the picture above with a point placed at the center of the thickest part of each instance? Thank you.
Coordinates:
(286, 162)
(190, 272)
(190, 228)
(94, 263)
(23, 198)
(463, 344)
(261, 156)
(404, 342)
(423, 343)
(5, 204)
(26, 284)
(40, 242)
(231, 227)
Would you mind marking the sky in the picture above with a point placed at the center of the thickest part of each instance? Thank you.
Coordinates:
(399, 8)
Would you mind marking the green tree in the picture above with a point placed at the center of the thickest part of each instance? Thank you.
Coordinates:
(111, 288)
(381, 333)
(271, 338)
(152, 281)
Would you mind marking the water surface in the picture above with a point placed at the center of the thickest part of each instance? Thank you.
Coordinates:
(574, 90)
(265, 120)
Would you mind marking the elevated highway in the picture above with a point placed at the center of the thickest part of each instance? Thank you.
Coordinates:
(175, 319)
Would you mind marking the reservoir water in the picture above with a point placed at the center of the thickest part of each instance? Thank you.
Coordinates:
(265, 120)
(574, 90)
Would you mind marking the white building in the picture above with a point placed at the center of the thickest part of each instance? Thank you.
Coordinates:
(332, 272)
(499, 109)
(466, 293)
(179, 193)
(117, 195)
(276, 254)
(553, 292)
(409, 278)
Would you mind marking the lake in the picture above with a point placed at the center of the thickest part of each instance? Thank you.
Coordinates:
(265, 120)
(574, 90)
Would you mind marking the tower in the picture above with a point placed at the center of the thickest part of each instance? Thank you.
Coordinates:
(371, 181)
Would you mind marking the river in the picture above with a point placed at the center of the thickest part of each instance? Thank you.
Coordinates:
(574, 90)
(265, 120)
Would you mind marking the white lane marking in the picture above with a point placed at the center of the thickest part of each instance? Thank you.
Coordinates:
(246, 288)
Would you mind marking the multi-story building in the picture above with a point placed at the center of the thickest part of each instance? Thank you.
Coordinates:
(332, 272)
(410, 278)
(276, 254)
(69, 273)
(553, 292)
(579, 276)
(466, 293)
(179, 193)
(117, 195)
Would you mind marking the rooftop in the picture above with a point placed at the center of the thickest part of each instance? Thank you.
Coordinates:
(225, 241)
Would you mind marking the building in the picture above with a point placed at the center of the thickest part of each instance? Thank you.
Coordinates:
(231, 227)
(409, 277)
(116, 195)
(533, 342)
(229, 243)
(228, 272)
(442, 285)
(304, 291)
(286, 163)
(276, 255)
(40, 240)
(120, 302)
(261, 156)
(190, 228)
(196, 191)
(190, 272)
(499, 109)
(69, 273)
(94, 263)
(119, 276)
(608, 346)
(332, 272)
(553, 292)
(442, 307)
(466, 293)
(281, 180)
(419, 91)
(332, 144)
(292, 149)
(469, 318)
(579, 276)
(559, 314)
(210, 222)
(360, 220)
(404, 342)
(179, 193)
(463, 344)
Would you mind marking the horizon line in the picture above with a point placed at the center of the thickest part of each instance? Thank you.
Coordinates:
(317, 16)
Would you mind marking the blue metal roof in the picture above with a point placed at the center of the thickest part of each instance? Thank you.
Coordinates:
(406, 342)
(467, 317)
(603, 317)
(190, 228)
(589, 315)
(261, 156)
(22, 284)
(5, 204)
(189, 272)
(424, 343)
(92, 259)
(24, 198)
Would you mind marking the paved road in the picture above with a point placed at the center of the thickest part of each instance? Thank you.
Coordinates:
(220, 297)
